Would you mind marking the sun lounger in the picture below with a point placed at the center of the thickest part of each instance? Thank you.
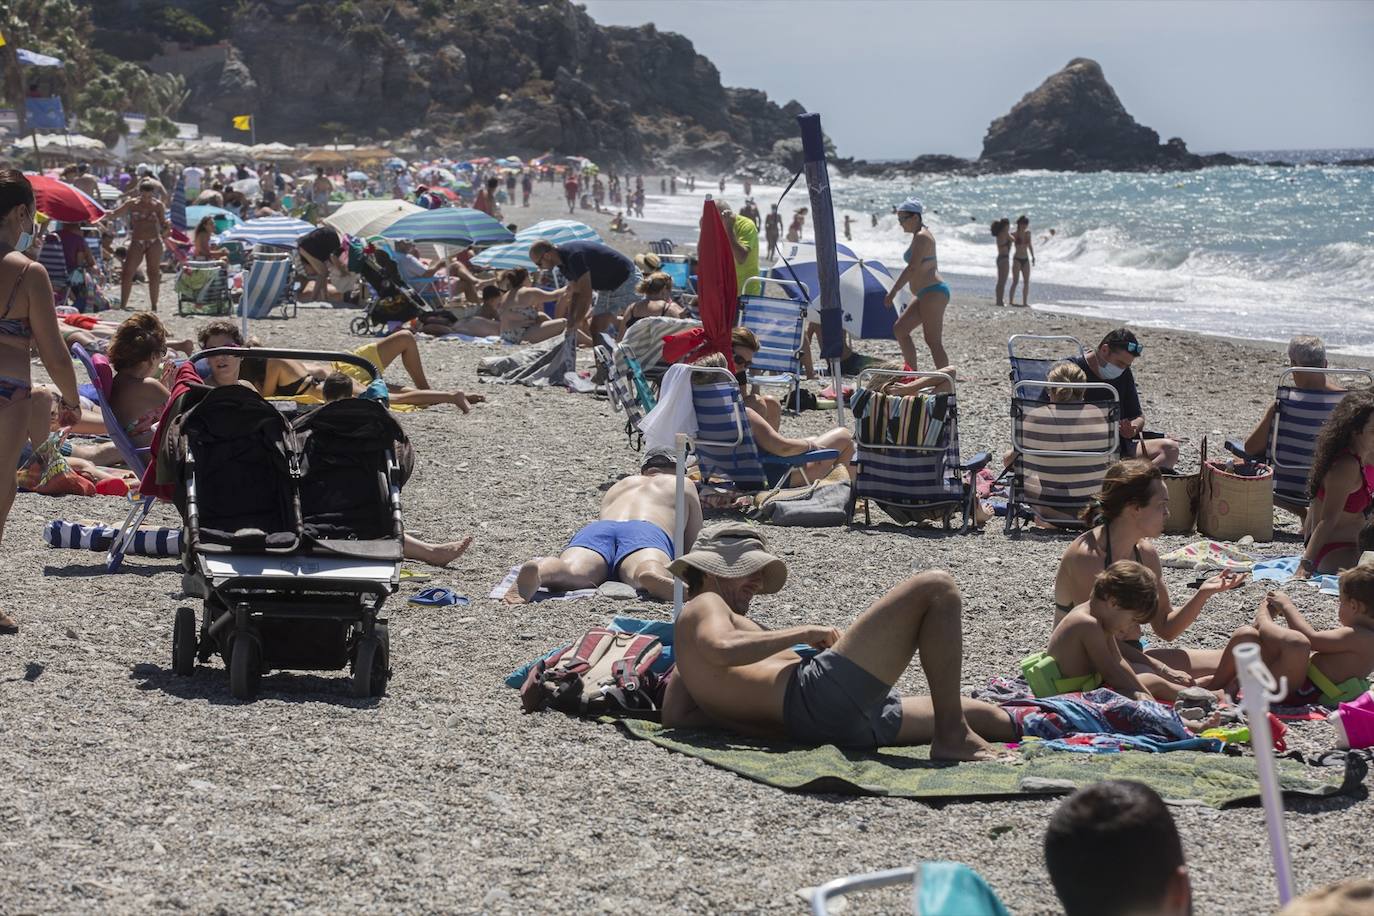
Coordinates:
(267, 286)
(622, 394)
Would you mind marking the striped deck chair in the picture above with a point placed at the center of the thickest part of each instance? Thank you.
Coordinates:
(54, 261)
(1061, 452)
(1299, 415)
(662, 246)
(136, 459)
(202, 288)
(622, 397)
(267, 286)
(912, 475)
(1028, 368)
(644, 340)
(778, 324)
(724, 444)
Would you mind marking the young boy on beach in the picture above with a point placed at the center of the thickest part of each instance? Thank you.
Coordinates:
(1084, 649)
(1322, 666)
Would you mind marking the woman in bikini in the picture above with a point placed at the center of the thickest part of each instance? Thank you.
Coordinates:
(1341, 486)
(656, 290)
(201, 249)
(523, 319)
(1001, 232)
(1022, 260)
(923, 277)
(27, 321)
(1129, 511)
(139, 392)
(148, 223)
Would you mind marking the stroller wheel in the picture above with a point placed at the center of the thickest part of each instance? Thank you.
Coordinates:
(245, 666)
(371, 664)
(359, 326)
(184, 642)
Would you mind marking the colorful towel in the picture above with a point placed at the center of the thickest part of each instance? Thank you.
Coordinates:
(500, 590)
(1132, 723)
(1208, 556)
(908, 772)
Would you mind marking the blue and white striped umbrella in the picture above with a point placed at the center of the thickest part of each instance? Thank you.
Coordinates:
(453, 225)
(506, 257)
(278, 231)
(863, 285)
(557, 231)
(176, 214)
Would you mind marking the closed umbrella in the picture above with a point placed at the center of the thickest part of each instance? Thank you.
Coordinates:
(557, 231)
(459, 225)
(863, 285)
(717, 297)
(366, 218)
(176, 213)
(63, 202)
(277, 231)
(505, 257)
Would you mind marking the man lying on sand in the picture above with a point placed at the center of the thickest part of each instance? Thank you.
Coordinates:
(732, 673)
(631, 540)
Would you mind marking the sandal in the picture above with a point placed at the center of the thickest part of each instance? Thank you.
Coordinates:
(8, 624)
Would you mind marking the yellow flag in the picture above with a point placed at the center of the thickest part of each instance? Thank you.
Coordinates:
(2, 40)
(243, 122)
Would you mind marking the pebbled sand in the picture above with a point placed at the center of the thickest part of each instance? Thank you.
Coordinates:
(128, 789)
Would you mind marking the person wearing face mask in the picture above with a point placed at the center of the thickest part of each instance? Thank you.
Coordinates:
(28, 321)
(1111, 363)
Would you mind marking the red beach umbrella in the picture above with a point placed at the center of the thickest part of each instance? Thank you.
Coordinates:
(717, 297)
(63, 202)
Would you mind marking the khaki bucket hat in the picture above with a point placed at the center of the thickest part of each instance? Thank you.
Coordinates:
(733, 551)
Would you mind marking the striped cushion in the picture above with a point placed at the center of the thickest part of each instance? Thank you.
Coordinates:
(913, 478)
(1298, 418)
(54, 261)
(725, 444)
(1061, 484)
(778, 325)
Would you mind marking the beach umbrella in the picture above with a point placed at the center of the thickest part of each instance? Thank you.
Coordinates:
(863, 285)
(62, 202)
(224, 219)
(395, 162)
(459, 225)
(356, 176)
(557, 231)
(366, 218)
(717, 297)
(278, 231)
(176, 212)
(506, 257)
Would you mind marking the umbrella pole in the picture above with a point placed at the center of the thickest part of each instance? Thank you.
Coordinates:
(679, 519)
(837, 379)
(1258, 690)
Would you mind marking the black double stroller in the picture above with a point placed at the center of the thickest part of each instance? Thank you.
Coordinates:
(293, 532)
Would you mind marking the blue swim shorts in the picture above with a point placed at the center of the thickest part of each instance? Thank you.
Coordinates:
(617, 540)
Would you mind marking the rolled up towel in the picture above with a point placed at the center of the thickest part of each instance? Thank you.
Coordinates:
(148, 542)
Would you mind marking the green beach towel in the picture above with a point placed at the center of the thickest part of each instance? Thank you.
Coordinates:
(908, 772)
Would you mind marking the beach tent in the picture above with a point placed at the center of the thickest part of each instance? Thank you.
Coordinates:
(557, 231)
(366, 218)
(863, 285)
(278, 231)
(457, 225)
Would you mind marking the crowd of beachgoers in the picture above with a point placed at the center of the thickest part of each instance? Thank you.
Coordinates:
(513, 260)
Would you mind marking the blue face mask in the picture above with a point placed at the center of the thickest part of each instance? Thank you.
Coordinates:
(25, 238)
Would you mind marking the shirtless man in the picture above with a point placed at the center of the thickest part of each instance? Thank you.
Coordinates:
(732, 673)
(632, 538)
(320, 189)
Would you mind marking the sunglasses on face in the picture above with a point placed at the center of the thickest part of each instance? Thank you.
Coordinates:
(744, 361)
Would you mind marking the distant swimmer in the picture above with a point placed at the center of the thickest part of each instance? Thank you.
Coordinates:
(1001, 231)
(873, 218)
(847, 220)
(794, 230)
(923, 277)
(1022, 260)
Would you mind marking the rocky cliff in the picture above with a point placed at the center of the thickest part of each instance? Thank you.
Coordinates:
(517, 77)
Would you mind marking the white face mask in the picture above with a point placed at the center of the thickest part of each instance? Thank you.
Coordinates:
(1108, 370)
(26, 238)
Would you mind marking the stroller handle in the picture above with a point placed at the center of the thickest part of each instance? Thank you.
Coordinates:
(273, 353)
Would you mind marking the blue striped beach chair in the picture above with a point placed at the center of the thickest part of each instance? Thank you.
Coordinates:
(1299, 415)
(136, 459)
(267, 286)
(915, 477)
(724, 444)
(778, 324)
(1061, 451)
(202, 288)
(54, 261)
(623, 393)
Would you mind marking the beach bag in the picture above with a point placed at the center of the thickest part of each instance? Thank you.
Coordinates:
(1236, 499)
(821, 504)
(1184, 491)
(605, 671)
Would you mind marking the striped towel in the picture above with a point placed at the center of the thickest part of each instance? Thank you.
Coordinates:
(148, 542)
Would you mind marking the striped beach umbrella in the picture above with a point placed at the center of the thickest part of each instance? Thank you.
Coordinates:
(456, 225)
(557, 231)
(277, 231)
(863, 285)
(505, 257)
(176, 213)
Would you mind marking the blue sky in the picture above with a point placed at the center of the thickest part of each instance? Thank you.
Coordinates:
(898, 79)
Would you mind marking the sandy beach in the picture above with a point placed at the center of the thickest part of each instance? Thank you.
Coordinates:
(128, 789)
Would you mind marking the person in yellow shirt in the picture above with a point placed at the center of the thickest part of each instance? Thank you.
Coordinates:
(744, 243)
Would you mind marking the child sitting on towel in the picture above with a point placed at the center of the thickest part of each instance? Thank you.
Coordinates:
(1083, 653)
(1322, 666)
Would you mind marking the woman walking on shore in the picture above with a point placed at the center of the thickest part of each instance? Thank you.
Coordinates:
(1001, 231)
(932, 293)
(1022, 260)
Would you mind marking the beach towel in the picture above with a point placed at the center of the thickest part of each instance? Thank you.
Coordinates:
(544, 364)
(1183, 777)
(502, 588)
(674, 413)
(1282, 569)
(1208, 556)
(148, 542)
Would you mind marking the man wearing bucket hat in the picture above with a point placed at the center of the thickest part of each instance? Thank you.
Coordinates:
(632, 539)
(732, 673)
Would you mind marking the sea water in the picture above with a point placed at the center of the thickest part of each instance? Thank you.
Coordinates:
(1259, 252)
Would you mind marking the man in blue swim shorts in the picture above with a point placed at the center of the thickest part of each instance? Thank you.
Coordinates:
(732, 673)
(631, 541)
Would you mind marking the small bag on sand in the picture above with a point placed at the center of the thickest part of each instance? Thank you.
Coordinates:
(1184, 492)
(1236, 499)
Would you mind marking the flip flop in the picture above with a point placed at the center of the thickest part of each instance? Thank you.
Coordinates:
(438, 596)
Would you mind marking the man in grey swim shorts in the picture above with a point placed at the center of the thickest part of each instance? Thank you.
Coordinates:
(732, 673)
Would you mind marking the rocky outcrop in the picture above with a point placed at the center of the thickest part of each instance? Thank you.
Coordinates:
(1074, 121)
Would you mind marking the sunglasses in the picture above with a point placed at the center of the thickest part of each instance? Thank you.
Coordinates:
(745, 361)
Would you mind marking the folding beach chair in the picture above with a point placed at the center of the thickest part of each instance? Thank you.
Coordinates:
(937, 889)
(202, 288)
(662, 246)
(1036, 368)
(1061, 451)
(907, 453)
(136, 459)
(724, 444)
(680, 269)
(267, 286)
(1299, 415)
(54, 261)
(778, 324)
(623, 396)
